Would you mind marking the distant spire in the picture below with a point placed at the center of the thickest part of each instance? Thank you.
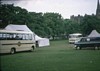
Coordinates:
(98, 5)
(98, 9)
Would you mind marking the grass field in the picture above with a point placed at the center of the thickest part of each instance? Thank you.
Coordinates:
(59, 56)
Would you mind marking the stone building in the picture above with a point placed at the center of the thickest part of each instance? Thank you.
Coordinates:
(78, 19)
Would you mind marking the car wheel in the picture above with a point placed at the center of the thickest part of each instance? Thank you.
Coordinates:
(80, 48)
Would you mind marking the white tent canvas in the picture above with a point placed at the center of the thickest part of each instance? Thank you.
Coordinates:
(41, 41)
(17, 28)
(37, 37)
(94, 33)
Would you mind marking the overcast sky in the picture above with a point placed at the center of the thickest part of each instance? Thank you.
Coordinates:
(64, 7)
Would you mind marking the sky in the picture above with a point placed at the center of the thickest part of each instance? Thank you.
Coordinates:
(64, 7)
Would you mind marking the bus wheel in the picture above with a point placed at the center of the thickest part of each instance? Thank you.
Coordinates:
(12, 51)
(32, 49)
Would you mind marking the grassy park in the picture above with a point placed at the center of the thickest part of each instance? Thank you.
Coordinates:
(59, 56)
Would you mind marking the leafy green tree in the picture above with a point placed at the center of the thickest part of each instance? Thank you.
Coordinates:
(12, 15)
(90, 23)
(54, 24)
(71, 27)
(36, 23)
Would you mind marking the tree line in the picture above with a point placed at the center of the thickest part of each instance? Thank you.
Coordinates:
(51, 25)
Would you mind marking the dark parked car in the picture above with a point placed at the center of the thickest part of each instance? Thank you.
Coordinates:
(88, 42)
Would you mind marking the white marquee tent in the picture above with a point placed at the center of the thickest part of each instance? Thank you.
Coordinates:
(94, 33)
(41, 41)
(17, 28)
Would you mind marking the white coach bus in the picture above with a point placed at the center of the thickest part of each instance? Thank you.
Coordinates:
(74, 37)
(13, 41)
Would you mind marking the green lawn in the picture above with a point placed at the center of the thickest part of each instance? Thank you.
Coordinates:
(59, 56)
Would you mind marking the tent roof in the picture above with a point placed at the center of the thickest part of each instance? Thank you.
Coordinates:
(94, 33)
(37, 37)
(18, 28)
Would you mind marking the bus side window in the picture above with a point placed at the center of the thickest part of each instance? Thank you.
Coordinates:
(27, 36)
(1, 36)
(30, 36)
(23, 37)
(4, 36)
(19, 36)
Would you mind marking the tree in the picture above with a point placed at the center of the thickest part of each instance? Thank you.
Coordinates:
(71, 27)
(90, 23)
(54, 24)
(12, 15)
